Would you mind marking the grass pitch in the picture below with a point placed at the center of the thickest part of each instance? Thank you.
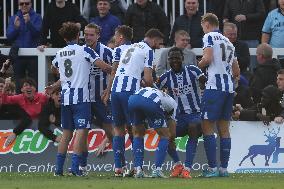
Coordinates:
(107, 181)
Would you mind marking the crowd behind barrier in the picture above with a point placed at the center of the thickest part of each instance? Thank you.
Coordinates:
(43, 58)
(171, 8)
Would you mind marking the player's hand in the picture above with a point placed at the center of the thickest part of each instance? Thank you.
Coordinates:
(17, 22)
(279, 120)
(27, 17)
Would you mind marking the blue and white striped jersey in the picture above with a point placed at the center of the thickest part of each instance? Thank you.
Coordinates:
(167, 103)
(131, 65)
(184, 88)
(74, 63)
(98, 78)
(220, 69)
(117, 52)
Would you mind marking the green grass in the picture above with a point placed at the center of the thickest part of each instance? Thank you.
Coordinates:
(46, 181)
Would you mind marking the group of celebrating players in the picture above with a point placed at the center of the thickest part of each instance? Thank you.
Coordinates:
(118, 88)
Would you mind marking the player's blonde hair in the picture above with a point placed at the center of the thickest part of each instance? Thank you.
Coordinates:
(94, 26)
(211, 18)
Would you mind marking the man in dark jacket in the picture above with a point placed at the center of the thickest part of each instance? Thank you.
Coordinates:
(144, 15)
(266, 71)
(248, 15)
(56, 13)
(190, 22)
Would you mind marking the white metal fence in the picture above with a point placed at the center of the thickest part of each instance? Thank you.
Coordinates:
(43, 59)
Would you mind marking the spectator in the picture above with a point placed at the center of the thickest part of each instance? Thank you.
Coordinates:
(248, 15)
(10, 87)
(24, 32)
(56, 13)
(230, 31)
(117, 8)
(280, 84)
(182, 40)
(30, 100)
(270, 98)
(106, 21)
(4, 64)
(50, 114)
(265, 73)
(189, 22)
(1, 18)
(269, 5)
(243, 95)
(12, 112)
(144, 15)
(214, 6)
(273, 29)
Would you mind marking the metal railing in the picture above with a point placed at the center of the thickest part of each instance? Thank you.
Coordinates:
(48, 52)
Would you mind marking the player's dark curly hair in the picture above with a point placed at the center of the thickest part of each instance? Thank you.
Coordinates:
(69, 31)
(175, 49)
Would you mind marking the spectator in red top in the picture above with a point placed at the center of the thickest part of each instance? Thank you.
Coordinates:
(12, 112)
(30, 101)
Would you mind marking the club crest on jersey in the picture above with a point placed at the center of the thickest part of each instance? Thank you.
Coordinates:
(81, 121)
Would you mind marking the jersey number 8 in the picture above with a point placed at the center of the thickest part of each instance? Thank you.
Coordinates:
(68, 68)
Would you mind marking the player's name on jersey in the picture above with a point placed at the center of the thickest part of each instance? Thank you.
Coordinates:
(141, 46)
(67, 53)
(217, 37)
